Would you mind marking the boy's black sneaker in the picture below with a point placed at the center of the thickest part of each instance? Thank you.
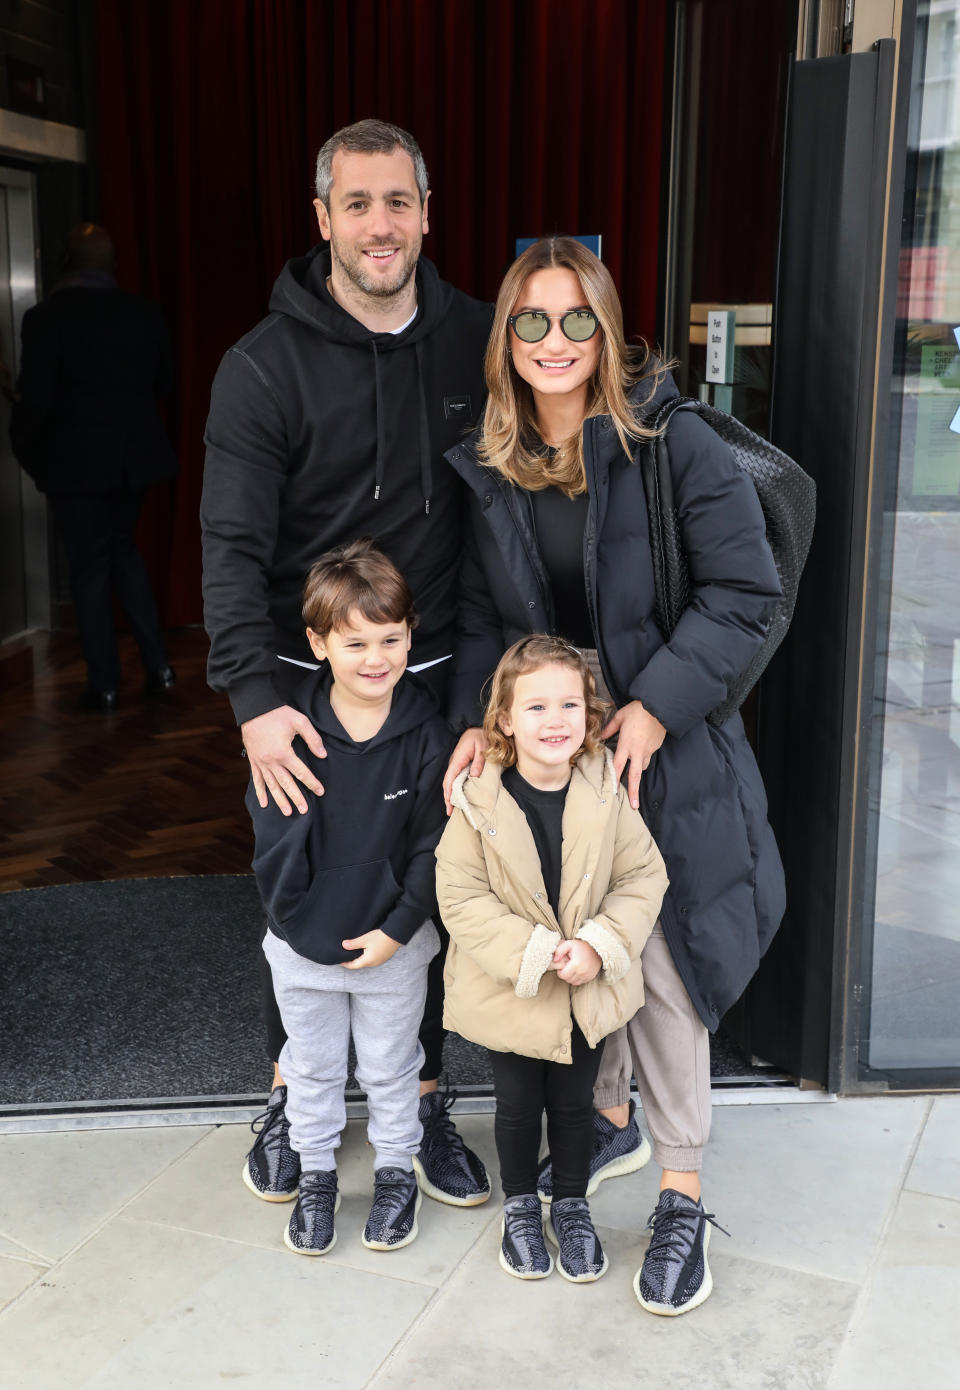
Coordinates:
(271, 1169)
(615, 1152)
(580, 1256)
(447, 1170)
(392, 1222)
(523, 1252)
(675, 1275)
(310, 1229)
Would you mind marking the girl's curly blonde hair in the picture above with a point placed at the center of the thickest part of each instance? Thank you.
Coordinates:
(527, 655)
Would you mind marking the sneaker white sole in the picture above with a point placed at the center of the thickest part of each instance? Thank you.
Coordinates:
(397, 1244)
(575, 1278)
(266, 1196)
(299, 1250)
(667, 1310)
(476, 1199)
(519, 1273)
(616, 1168)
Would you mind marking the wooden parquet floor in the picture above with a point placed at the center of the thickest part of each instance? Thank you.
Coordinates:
(155, 790)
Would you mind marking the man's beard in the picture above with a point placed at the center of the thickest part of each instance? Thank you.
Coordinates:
(355, 270)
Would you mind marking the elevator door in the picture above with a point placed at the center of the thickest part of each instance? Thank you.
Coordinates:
(24, 549)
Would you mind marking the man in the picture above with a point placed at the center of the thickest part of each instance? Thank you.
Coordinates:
(86, 428)
(328, 422)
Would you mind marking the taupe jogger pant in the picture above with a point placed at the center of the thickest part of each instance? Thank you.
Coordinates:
(666, 1046)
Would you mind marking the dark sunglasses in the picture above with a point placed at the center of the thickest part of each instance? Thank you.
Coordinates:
(532, 325)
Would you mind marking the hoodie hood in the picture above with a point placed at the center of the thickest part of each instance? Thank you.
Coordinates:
(301, 292)
(412, 705)
(477, 797)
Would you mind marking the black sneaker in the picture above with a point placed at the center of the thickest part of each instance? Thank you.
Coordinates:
(310, 1229)
(523, 1252)
(392, 1222)
(580, 1256)
(271, 1169)
(615, 1152)
(447, 1170)
(675, 1276)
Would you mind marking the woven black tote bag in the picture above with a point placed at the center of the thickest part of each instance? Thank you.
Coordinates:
(788, 497)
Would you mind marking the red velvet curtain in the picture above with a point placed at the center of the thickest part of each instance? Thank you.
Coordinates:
(534, 116)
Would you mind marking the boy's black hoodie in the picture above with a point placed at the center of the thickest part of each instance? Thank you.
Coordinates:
(321, 431)
(362, 856)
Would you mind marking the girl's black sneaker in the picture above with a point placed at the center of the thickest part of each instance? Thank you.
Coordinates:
(580, 1256)
(523, 1252)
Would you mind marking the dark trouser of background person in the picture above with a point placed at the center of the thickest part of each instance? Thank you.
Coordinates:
(98, 534)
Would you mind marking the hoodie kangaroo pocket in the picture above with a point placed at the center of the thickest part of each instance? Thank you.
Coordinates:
(341, 903)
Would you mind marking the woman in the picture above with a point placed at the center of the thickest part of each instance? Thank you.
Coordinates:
(558, 542)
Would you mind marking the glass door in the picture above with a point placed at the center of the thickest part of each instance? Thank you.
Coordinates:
(911, 967)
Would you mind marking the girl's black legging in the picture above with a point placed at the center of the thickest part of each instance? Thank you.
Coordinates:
(525, 1087)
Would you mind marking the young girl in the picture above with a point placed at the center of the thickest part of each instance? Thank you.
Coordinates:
(549, 884)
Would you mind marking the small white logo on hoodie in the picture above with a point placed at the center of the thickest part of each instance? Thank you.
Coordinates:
(392, 796)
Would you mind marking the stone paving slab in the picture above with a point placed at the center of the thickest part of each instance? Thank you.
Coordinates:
(763, 1327)
(57, 1189)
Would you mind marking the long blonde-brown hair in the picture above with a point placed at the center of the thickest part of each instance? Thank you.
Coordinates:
(510, 440)
(527, 655)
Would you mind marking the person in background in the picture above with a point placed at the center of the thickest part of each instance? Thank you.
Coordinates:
(329, 420)
(86, 428)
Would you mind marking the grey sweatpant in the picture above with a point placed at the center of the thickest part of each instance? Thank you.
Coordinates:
(321, 1005)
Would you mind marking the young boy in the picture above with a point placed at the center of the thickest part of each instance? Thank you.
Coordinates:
(349, 890)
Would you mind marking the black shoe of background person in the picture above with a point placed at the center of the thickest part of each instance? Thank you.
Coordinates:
(158, 682)
(98, 701)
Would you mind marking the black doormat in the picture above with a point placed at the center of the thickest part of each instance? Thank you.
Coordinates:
(148, 989)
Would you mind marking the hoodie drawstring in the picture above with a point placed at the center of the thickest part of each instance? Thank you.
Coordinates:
(378, 475)
(426, 466)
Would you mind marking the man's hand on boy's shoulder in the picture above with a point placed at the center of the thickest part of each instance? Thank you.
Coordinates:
(376, 946)
(274, 767)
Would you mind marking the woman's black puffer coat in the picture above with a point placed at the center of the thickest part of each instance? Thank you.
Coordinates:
(702, 795)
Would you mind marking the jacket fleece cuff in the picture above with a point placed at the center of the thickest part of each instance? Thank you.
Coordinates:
(253, 696)
(616, 961)
(536, 960)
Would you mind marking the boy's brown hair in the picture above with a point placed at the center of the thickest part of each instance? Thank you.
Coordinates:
(527, 655)
(357, 575)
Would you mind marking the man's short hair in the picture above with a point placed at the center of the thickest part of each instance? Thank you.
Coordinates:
(356, 576)
(369, 137)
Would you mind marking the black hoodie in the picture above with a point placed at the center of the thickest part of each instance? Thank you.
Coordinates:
(321, 431)
(362, 856)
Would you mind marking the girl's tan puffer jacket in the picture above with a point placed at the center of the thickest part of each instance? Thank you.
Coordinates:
(503, 932)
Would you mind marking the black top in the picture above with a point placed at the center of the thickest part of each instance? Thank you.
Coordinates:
(321, 431)
(363, 855)
(544, 813)
(94, 362)
(560, 521)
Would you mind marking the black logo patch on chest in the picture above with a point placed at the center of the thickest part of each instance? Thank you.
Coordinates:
(457, 408)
